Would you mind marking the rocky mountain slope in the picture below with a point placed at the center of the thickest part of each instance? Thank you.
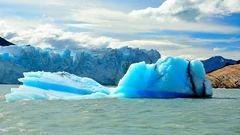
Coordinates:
(4, 42)
(227, 77)
(217, 62)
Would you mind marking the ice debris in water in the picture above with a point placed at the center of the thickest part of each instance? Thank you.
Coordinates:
(59, 85)
(171, 77)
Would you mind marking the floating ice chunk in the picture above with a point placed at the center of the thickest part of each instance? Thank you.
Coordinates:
(60, 85)
(33, 93)
(167, 78)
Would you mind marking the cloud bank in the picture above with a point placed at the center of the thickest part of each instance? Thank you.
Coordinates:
(62, 24)
(189, 10)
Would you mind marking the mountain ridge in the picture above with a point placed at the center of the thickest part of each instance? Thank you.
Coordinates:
(4, 42)
(217, 62)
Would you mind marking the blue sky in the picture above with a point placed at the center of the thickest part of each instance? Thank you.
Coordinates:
(185, 28)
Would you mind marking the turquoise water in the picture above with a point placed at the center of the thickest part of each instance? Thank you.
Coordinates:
(219, 115)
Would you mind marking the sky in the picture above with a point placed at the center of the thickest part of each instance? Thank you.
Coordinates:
(185, 28)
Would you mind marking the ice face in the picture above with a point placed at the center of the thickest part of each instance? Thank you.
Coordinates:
(167, 78)
(106, 66)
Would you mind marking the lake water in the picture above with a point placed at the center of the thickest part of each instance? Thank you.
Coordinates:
(219, 115)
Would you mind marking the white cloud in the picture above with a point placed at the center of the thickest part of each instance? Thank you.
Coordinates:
(37, 3)
(172, 16)
(200, 53)
(5, 30)
(52, 36)
(148, 44)
(217, 49)
(185, 47)
(189, 10)
(109, 21)
(47, 35)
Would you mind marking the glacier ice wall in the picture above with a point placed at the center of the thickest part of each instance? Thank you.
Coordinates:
(106, 66)
(167, 78)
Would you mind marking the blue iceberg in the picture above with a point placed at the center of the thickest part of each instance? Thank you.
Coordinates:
(171, 77)
(167, 78)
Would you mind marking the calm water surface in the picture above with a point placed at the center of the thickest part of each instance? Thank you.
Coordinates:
(217, 116)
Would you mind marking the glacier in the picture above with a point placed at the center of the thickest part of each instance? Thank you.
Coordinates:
(169, 77)
(105, 65)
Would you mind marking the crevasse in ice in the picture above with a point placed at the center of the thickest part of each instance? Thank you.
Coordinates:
(171, 77)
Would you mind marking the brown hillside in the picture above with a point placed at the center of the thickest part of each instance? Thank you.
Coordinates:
(227, 77)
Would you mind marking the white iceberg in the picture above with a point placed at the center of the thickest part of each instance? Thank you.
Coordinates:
(167, 78)
(59, 85)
